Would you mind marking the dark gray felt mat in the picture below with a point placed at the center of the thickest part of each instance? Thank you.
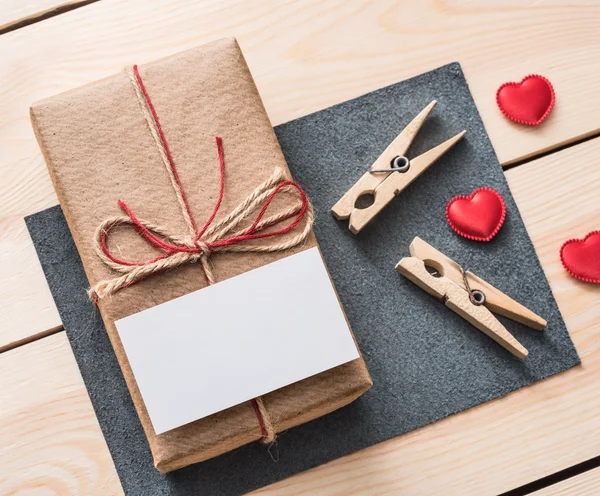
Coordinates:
(426, 362)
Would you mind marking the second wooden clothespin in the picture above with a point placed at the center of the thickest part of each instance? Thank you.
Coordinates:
(466, 294)
(390, 174)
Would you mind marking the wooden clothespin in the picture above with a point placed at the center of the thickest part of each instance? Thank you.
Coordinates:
(466, 294)
(390, 174)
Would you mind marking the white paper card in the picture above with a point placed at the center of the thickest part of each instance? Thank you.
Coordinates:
(236, 340)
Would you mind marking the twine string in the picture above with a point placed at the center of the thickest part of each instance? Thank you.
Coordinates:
(181, 250)
(224, 235)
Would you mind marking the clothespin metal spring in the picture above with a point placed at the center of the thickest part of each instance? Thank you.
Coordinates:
(476, 296)
(399, 163)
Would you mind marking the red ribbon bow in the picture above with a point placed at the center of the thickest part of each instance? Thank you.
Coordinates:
(223, 235)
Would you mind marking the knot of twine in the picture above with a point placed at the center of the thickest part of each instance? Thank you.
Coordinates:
(224, 235)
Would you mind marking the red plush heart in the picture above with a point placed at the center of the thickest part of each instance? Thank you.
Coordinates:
(581, 257)
(528, 102)
(479, 216)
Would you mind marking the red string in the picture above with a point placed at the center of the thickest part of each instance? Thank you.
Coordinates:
(263, 429)
(164, 142)
(252, 233)
(221, 188)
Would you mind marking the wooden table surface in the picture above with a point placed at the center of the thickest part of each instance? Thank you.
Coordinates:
(306, 55)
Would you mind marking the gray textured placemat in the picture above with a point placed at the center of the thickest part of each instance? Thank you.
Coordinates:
(426, 362)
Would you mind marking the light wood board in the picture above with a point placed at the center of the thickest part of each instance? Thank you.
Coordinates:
(489, 449)
(585, 484)
(305, 55)
(50, 440)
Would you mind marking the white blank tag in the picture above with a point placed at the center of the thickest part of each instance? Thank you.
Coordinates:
(239, 339)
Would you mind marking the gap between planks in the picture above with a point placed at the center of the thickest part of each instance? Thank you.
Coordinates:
(30, 339)
(584, 476)
(43, 14)
(549, 151)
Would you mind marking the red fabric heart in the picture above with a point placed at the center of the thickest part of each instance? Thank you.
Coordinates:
(581, 257)
(528, 102)
(478, 216)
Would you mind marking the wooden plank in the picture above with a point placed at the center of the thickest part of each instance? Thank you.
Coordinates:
(15, 14)
(585, 484)
(305, 55)
(50, 440)
(489, 449)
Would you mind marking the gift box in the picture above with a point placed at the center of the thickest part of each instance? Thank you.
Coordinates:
(100, 145)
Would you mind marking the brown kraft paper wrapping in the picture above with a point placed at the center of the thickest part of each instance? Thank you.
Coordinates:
(98, 150)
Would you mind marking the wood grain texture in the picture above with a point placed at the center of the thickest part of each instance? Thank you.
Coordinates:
(50, 440)
(305, 55)
(18, 13)
(486, 450)
(585, 484)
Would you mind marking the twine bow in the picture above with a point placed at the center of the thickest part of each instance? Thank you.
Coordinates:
(222, 236)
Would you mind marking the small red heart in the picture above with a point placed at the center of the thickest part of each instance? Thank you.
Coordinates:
(528, 102)
(581, 257)
(479, 216)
